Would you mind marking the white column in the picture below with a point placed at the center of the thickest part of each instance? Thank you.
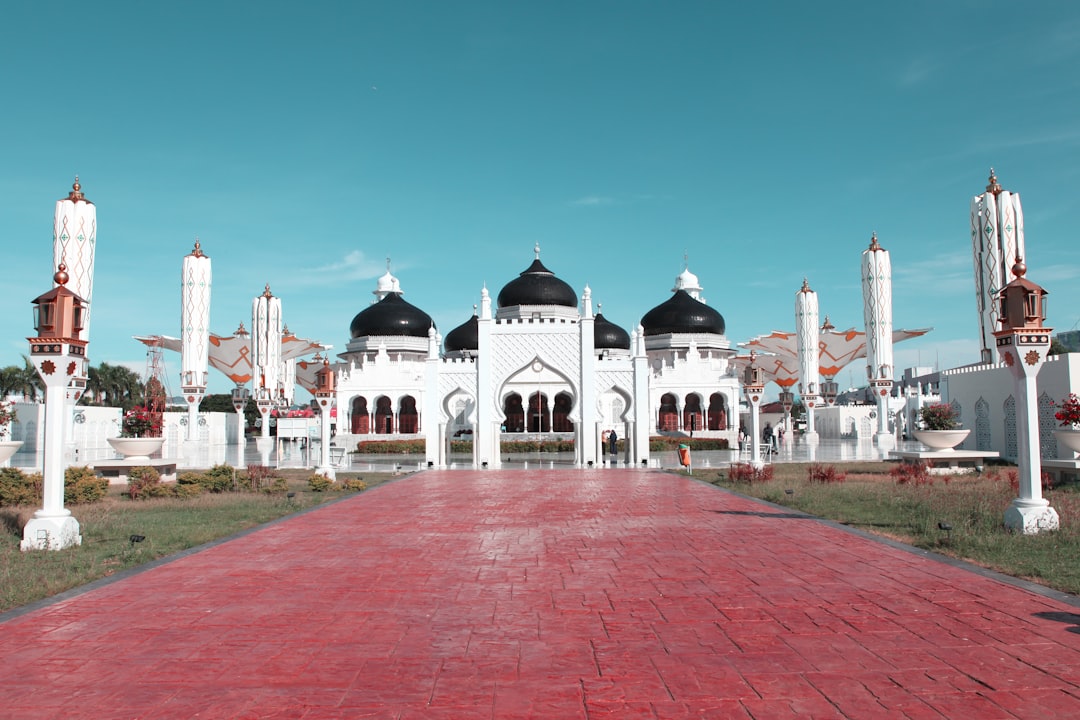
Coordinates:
(807, 333)
(74, 242)
(195, 281)
(877, 315)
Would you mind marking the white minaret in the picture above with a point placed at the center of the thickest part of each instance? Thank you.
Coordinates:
(806, 330)
(265, 353)
(877, 313)
(997, 239)
(194, 332)
(74, 239)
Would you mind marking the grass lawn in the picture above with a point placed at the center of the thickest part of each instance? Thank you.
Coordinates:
(974, 506)
(169, 525)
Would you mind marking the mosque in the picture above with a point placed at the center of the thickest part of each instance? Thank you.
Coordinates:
(541, 361)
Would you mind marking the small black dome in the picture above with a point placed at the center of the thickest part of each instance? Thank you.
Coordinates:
(465, 336)
(681, 313)
(609, 336)
(391, 316)
(537, 286)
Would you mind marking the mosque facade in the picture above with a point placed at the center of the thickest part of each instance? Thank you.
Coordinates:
(537, 361)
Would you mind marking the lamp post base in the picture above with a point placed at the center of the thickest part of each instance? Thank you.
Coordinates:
(1031, 517)
(51, 533)
(885, 440)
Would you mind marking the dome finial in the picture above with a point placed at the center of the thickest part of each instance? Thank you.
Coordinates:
(993, 187)
(873, 241)
(805, 286)
(76, 191)
(387, 263)
(685, 260)
(536, 249)
(1019, 268)
(241, 330)
(197, 252)
(266, 292)
(61, 277)
(828, 325)
(599, 308)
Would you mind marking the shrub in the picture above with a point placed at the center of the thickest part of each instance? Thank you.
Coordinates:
(82, 485)
(258, 477)
(142, 481)
(18, 488)
(353, 484)
(747, 473)
(663, 442)
(220, 478)
(824, 474)
(938, 417)
(390, 447)
(279, 486)
(319, 483)
(527, 446)
(914, 473)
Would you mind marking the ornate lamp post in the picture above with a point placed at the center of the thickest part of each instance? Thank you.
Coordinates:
(787, 401)
(754, 389)
(194, 333)
(59, 356)
(266, 355)
(1022, 343)
(806, 329)
(324, 395)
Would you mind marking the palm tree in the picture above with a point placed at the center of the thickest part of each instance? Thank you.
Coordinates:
(28, 382)
(114, 386)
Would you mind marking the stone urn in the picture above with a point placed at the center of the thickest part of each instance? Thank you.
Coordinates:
(8, 448)
(941, 440)
(1066, 438)
(137, 449)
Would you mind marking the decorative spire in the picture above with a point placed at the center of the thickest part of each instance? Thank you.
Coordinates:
(805, 286)
(241, 330)
(197, 252)
(76, 192)
(474, 309)
(61, 277)
(536, 249)
(285, 329)
(993, 187)
(1018, 268)
(266, 292)
(599, 308)
(874, 243)
(685, 260)
(828, 325)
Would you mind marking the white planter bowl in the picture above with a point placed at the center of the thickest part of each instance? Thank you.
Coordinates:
(138, 449)
(9, 448)
(1068, 439)
(940, 440)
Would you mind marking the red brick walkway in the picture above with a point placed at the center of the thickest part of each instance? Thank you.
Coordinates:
(547, 594)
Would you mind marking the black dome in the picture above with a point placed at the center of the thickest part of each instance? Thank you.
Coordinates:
(681, 313)
(465, 336)
(391, 316)
(537, 286)
(609, 336)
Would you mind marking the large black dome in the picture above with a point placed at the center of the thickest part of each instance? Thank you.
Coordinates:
(537, 286)
(465, 336)
(609, 336)
(391, 316)
(681, 313)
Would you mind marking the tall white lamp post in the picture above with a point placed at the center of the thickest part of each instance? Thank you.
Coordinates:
(754, 389)
(877, 314)
(806, 331)
(59, 356)
(1022, 343)
(324, 395)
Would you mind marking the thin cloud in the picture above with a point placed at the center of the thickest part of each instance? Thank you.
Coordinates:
(918, 71)
(352, 267)
(592, 201)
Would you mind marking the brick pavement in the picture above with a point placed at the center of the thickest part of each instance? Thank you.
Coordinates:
(546, 594)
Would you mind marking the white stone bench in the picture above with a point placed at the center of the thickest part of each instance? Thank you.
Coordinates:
(947, 462)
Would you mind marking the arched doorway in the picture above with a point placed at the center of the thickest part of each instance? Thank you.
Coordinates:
(692, 413)
(361, 423)
(408, 419)
(560, 416)
(539, 414)
(668, 418)
(384, 416)
(514, 413)
(717, 412)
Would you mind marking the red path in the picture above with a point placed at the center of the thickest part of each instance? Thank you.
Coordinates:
(547, 594)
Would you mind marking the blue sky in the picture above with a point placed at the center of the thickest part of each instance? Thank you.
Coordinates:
(305, 143)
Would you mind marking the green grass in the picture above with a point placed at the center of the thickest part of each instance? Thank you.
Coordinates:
(168, 524)
(974, 506)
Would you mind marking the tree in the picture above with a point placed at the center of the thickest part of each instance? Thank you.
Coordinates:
(1057, 348)
(113, 386)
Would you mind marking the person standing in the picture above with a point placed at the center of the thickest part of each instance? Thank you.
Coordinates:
(613, 445)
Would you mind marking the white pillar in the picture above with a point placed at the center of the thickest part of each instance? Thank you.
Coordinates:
(807, 333)
(877, 315)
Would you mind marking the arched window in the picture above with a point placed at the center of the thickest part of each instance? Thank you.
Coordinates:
(692, 413)
(384, 416)
(560, 417)
(408, 420)
(515, 414)
(668, 419)
(361, 423)
(717, 412)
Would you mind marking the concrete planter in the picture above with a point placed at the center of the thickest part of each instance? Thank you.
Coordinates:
(138, 449)
(1069, 439)
(9, 448)
(940, 440)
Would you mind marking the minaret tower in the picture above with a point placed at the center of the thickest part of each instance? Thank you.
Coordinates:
(194, 333)
(74, 240)
(806, 330)
(877, 313)
(266, 353)
(997, 239)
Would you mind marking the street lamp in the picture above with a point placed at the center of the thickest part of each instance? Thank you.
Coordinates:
(754, 389)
